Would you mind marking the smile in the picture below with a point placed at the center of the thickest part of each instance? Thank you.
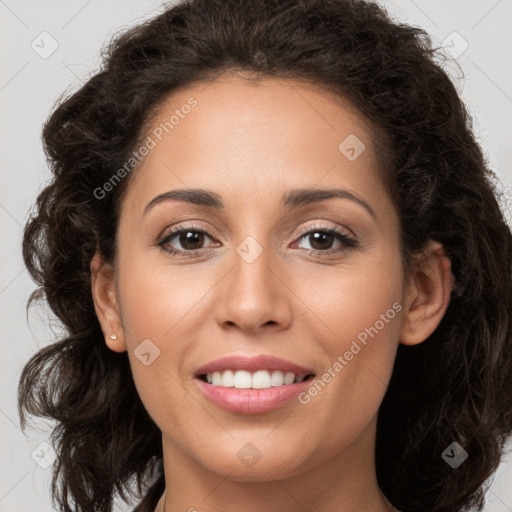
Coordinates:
(261, 379)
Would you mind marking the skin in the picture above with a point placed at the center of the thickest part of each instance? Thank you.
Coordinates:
(250, 142)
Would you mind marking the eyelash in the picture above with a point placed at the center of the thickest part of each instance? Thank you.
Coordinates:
(348, 242)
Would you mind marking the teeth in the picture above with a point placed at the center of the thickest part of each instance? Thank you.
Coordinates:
(262, 379)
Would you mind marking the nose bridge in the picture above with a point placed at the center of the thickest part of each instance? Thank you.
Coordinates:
(254, 253)
(253, 295)
(252, 274)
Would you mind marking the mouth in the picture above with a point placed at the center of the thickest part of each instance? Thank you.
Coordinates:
(259, 384)
(260, 379)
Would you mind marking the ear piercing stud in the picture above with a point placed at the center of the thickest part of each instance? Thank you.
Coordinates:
(113, 337)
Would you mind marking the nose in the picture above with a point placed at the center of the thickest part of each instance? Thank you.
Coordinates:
(254, 293)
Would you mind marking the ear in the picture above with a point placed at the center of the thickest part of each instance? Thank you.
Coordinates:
(428, 294)
(105, 302)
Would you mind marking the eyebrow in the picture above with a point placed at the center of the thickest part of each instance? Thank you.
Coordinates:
(292, 199)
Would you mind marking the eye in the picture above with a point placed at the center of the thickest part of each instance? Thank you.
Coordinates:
(190, 238)
(321, 239)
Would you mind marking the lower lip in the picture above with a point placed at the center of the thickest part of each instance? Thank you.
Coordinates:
(252, 401)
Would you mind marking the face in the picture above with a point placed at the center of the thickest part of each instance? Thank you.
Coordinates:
(259, 271)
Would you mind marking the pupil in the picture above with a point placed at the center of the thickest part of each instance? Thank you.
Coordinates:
(321, 236)
(189, 237)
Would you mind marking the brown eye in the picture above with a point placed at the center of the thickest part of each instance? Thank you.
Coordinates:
(188, 241)
(321, 241)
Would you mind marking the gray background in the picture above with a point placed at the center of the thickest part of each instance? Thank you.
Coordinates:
(30, 83)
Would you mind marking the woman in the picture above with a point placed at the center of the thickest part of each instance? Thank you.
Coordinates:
(284, 274)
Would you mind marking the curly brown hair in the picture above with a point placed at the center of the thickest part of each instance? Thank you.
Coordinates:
(456, 386)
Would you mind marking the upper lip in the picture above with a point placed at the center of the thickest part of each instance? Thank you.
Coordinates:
(252, 364)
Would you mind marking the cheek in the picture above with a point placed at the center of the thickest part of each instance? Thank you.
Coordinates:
(162, 310)
(156, 298)
(361, 306)
(350, 298)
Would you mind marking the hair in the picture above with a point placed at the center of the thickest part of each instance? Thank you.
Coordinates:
(456, 386)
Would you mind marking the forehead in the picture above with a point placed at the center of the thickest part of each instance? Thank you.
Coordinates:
(255, 137)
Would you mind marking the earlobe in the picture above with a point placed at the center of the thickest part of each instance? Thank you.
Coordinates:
(429, 295)
(105, 302)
